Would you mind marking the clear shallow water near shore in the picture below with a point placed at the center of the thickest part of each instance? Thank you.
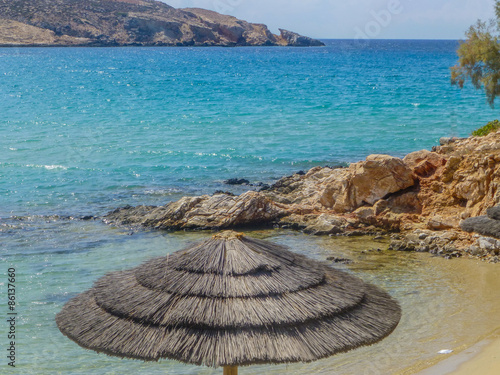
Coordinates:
(441, 300)
(83, 131)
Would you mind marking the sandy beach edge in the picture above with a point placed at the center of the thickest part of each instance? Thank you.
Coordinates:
(483, 358)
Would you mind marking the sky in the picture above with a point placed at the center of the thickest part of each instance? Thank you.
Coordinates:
(350, 19)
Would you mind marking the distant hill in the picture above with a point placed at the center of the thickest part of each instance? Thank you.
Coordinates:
(129, 23)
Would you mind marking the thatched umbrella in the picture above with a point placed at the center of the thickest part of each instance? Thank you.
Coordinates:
(229, 301)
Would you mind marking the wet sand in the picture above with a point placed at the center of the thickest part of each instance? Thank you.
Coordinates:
(480, 359)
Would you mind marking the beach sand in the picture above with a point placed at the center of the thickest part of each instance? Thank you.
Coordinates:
(480, 359)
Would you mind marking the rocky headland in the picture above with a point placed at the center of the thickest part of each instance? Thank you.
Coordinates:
(130, 23)
(440, 201)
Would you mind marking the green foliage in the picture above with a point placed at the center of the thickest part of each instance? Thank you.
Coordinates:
(479, 58)
(487, 129)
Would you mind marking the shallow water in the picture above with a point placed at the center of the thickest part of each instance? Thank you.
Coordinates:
(446, 304)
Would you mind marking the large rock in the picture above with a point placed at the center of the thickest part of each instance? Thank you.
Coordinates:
(296, 40)
(493, 212)
(424, 163)
(483, 225)
(377, 177)
(204, 212)
(465, 186)
(344, 189)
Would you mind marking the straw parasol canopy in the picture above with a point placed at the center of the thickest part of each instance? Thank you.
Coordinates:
(229, 301)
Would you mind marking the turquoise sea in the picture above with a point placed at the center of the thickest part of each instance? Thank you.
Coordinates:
(86, 130)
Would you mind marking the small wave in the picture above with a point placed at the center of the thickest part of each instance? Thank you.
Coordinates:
(207, 154)
(162, 191)
(416, 105)
(13, 221)
(48, 167)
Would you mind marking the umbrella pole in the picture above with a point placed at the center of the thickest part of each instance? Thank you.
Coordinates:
(230, 370)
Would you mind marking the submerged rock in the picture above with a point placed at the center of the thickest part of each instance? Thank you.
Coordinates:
(236, 181)
(340, 260)
(446, 243)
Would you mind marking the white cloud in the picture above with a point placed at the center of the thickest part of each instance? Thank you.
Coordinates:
(434, 19)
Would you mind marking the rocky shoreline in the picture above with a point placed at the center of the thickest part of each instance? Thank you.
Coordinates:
(438, 201)
(111, 23)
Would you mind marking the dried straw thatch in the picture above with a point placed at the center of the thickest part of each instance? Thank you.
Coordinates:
(230, 300)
